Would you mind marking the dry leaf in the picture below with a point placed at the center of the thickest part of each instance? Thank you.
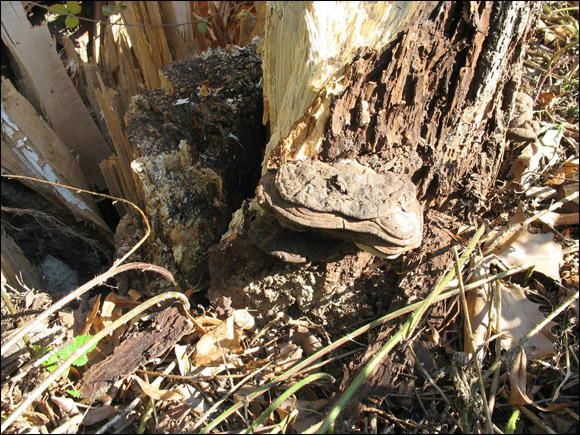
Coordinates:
(541, 193)
(518, 317)
(518, 386)
(92, 316)
(156, 393)
(540, 248)
(225, 337)
(531, 160)
(301, 336)
(478, 306)
(560, 219)
(134, 295)
(182, 360)
(193, 398)
(289, 354)
(66, 405)
(97, 414)
(518, 378)
(108, 312)
(203, 91)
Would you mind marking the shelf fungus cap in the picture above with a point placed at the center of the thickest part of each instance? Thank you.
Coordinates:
(345, 200)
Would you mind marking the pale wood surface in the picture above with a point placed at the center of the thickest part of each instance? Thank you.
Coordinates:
(30, 147)
(308, 47)
(47, 86)
(15, 266)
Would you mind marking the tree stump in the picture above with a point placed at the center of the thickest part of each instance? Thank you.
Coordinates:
(427, 100)
(198, 143)
(431, 105)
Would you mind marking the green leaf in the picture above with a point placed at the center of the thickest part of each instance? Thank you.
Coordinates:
(59, 9)
(108, 10)
(202, 27)
(67, 351)
(74, 393)
(74, 7)
(71, 22)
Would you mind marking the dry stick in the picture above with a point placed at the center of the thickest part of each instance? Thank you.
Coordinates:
(537, 420)
(232, 390)
(404, 333)
(113, 198)
(349, 337)
(14, 312)
(135, 401)
(95, 281)
(66, 14)
(29, 398)
(567, 353)
(495, 381)
(488, 426)
(434, 384)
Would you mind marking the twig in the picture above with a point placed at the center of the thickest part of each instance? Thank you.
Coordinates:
(568, 59)
(498, 328)
(510, 230)
(537, 420)
(434, 384)
(350, 337)
(488, 424)
(405, 332)
(48, 8)
(229, 393)
(515, 349)
(113, 198)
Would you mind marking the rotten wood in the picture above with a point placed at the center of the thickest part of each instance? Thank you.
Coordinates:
(16, 267)
(431, 104)
(197, 145)
(135, 351)
(149, 42)
(117, 169)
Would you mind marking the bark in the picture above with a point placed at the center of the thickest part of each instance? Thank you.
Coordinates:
(436, 96)
(45, 83)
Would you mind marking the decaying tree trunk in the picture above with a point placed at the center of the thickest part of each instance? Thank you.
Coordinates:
(430, 103)
(424, 99)
(420, 90)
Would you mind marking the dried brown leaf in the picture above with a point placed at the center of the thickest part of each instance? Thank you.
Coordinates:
(97, 414)
(157, 393)
(92, 316)
(540, 248)
(518, 377)
(560, 219)
(225, 337)
(518, 317)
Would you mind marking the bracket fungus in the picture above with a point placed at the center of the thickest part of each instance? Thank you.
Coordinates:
(345, 200)
(293, 247)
